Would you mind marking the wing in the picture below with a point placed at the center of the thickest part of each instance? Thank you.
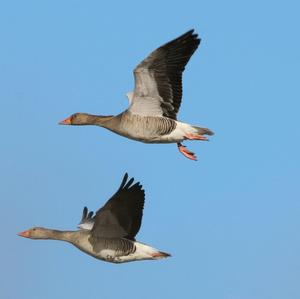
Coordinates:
(121, 216)
(87, 219)
(158, 78)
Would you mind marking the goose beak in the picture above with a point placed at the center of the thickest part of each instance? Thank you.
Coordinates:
(66, 121)
(24, 234)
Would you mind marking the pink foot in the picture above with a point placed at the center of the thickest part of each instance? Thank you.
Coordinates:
(195, 137)
(186, 152)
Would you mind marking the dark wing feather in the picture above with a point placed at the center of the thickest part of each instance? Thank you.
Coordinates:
(87, 219)
(163, 69)
(121, 216)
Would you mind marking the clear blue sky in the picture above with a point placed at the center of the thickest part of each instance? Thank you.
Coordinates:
(230, 220)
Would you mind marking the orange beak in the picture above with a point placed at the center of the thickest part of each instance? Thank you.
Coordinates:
(24, 234)
(66, 121)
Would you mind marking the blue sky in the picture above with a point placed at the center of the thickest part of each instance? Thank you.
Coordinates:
(230, 220)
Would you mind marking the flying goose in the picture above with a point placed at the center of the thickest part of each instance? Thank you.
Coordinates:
(109, 235)
(155, 101)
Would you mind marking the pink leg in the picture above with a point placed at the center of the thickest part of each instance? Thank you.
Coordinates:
(186, 152)
(195, 137)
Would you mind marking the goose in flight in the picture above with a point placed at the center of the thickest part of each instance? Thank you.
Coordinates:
(155, 100)
(109, 235)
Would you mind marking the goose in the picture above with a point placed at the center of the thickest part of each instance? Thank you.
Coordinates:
(109, 235)
(155, 101)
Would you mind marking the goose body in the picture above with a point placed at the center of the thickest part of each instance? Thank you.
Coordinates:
(150, 129)
(116, 250)
(155, 101)
(109, 235)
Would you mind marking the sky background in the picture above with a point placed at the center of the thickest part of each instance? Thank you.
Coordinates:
(231, 220)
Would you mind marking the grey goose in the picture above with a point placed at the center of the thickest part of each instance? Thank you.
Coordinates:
(109, 235)
(155, 100)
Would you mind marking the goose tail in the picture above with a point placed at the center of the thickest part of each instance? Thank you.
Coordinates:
(203, 131)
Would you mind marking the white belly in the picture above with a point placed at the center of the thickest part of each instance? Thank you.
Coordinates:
(179, 133)
(142, 252)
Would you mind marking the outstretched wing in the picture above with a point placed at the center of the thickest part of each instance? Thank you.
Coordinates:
(121, 216)
(158, 78)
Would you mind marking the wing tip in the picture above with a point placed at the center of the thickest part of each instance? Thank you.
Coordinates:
(192, 34)
(189, 39)
(124, 180)
(86, 214)
(86, 219)
(126, 184)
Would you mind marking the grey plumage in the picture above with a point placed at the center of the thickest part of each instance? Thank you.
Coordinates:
(161, 72)
(121, 216)
(121, 247)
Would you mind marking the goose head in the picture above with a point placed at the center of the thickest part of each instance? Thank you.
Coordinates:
(35, 233)
(81, 119)
(76, 119)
